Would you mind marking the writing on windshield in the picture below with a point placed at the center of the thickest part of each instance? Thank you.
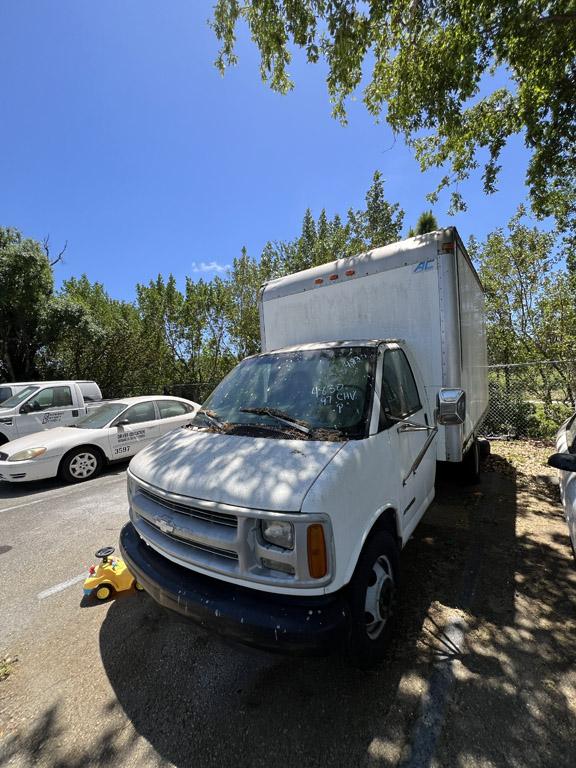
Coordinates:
(324, 388)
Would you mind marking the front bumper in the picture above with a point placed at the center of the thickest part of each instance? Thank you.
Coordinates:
(306, 625)
(24, 471)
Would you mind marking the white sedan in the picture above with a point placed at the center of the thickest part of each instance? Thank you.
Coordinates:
(565, 461)
(115, 431)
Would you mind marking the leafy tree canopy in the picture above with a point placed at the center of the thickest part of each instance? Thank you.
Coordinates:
(26, 288)
(432, 63)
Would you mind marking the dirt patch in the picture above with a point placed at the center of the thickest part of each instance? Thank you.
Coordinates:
(514, 699)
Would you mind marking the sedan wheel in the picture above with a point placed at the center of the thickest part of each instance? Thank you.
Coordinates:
(81, 465)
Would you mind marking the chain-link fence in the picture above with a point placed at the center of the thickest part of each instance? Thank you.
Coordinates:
(197, 391)
(529, 399)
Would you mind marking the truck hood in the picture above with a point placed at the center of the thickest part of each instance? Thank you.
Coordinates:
(254, 472)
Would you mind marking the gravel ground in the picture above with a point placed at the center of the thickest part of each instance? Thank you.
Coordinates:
(480, 670)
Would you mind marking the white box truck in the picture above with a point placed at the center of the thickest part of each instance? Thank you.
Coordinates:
(278, 515)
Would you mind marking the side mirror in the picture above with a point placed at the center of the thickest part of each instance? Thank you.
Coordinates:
(565, 461)
(451, 407)
(122, 423)
(25, 408)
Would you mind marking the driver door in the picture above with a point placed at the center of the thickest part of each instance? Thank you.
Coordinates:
(403, 402)
(133, 430)
(48, 408)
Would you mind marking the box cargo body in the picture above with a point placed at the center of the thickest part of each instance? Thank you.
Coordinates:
(423, 291)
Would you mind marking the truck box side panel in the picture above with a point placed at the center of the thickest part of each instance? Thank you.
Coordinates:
(473, 344)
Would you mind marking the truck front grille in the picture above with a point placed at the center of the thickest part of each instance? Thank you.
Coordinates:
(218, 518)
(222, 539)
(188, 533)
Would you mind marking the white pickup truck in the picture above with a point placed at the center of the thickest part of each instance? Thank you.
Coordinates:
(39, 405)
(278, 515)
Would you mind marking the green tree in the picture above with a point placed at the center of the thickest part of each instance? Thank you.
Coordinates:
(426, 223)
(26, 295)
(530, 308)
(93, 336)
(451, 77)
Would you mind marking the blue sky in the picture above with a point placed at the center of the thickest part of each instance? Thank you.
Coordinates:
(118, 135)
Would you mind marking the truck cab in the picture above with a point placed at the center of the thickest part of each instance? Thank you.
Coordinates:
(39, 405)
(297, 459)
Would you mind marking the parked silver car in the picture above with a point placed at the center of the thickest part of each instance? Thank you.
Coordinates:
(565, 461)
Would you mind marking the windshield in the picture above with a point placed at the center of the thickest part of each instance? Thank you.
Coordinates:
(16, 399)
(322, 388)
(100, 416)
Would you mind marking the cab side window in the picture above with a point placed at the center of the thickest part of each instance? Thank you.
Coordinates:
(51, 397)
(399, 396)
(140, 412)
(170, 408)
(5, 393)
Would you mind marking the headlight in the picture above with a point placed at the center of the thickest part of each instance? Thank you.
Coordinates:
(281, 534)
(131, 485)
(29, 453)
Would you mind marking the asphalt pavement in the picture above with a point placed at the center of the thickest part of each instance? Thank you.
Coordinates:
(479, 672)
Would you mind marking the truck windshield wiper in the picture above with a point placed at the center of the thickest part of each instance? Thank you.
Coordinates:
(212, 417)
(282, 416)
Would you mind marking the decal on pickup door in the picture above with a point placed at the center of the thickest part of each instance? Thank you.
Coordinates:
(51, 418)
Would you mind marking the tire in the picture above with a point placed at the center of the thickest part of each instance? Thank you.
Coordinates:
(372, 597)
(3, 439)
(470, 467)
(81, 464)
(103, 591)
(484, 447)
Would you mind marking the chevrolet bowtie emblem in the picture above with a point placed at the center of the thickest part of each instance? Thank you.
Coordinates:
(165, 524)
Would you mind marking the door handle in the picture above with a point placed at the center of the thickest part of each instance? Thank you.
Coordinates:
(422, 453)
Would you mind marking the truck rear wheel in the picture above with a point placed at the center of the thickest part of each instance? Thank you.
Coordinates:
(372, 593)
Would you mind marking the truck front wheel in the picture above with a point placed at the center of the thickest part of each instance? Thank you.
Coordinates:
(3, 439)
(372, 592)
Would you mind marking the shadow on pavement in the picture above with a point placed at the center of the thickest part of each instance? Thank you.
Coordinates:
(513, 702)
(199, 702)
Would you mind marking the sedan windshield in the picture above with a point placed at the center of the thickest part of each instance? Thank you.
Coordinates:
(101, 416)
(16, 399)
(323, 389)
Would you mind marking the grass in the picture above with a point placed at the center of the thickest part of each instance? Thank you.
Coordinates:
(6, 667)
